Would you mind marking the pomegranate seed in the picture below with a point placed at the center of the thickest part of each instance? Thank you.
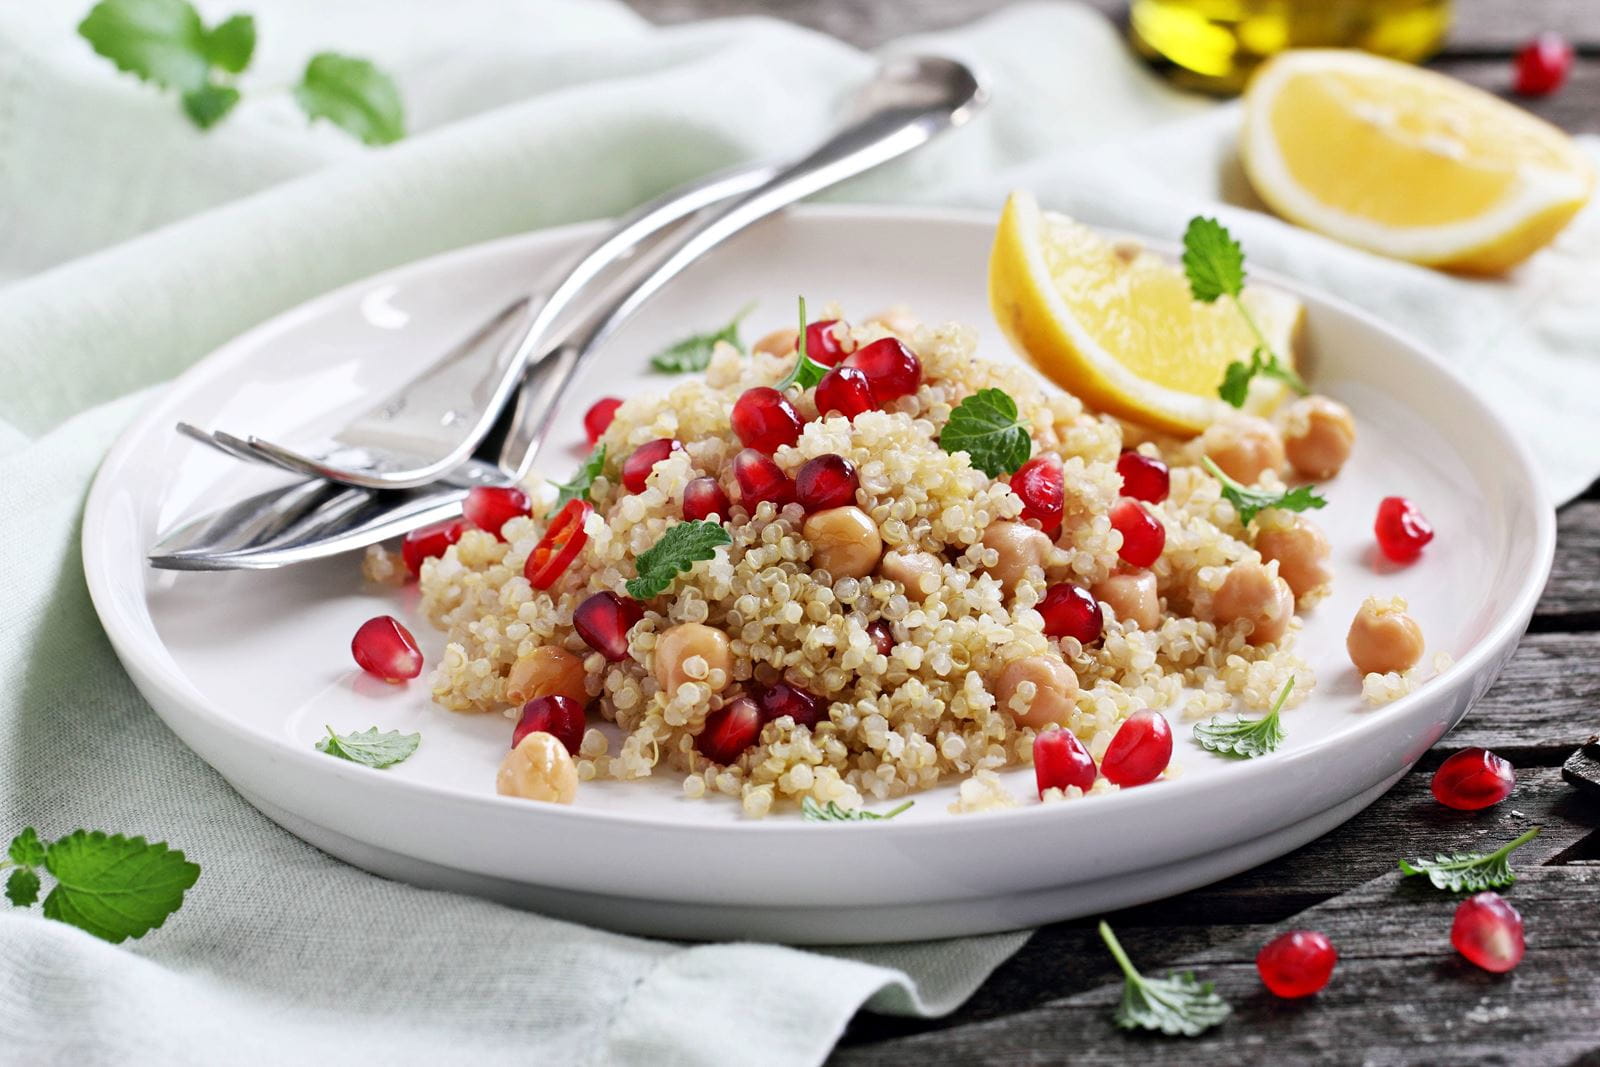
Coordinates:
(1471, 779)
(603, 621)
(1144, 477)
(761, 479)
(1401, 529)
(637, 467)
(882, 635)
(845, 390)
(560, 717)
(598, 418)
(826, 482)
(892, 369)
(1072, 611)
(822, 345)
(1037, 484)
(765, 420)
(1060, 760)
(1140, 751)
(1143, 536)
(782, 699)
(385, 649)
(1542, 65)
(729, 732)
(703, 498)
(430, 542)
(489, 507)
(1488, 931)
(1296, 964)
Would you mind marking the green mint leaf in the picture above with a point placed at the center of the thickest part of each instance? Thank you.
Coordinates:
(1248, 502)
(693, 353)
(26, 850)
(230, 44)
(208, 105)
(578, 488)
(1212, 259)
(22, 888)
(807, 371)
(115, 887)
(1245, 738)
(1470, 872)
(160, 41)
(353, 95)
(985, 426)
(811, 811)
(1173, 1005)
(1235, 387)
(679, 549)
(369, 747)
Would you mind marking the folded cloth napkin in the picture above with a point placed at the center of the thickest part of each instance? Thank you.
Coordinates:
(130, 245)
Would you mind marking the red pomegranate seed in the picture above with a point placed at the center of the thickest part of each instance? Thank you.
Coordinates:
(385, 649)
(1401, 529)
(560, 717)
(1144, 477)
(1140, 750)
(822, 345)
(637, 467)
(761, 479)
(765, 420)
(489, 507)
(782, 699)
(1072, 611)
(1060, 760)
(1143, 536)
(1037, 483)
(703, 498)
(1542, 65)
(892, 369)
(845, 390)
(598, 418)
(729, 732)
(1473, 778)
(1488, 931)
(826, 482)
(430, 542)
(1296, 964)
(603, 621)
(882, 635)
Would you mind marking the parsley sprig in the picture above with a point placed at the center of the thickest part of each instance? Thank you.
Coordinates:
(987, 428)
(693, 353)
(1248, 502)
(807, 371)
(1245, 738)
(369, 747)
(1470, 872)
(582, 481)
(112, 886)
(811, 811)
(679, 549)
(1176, 1004)
(1214, 263)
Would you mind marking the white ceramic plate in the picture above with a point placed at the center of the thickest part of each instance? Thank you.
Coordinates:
(247, 667)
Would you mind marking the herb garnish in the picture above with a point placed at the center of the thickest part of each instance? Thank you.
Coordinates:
(693, 353)
(369, 747)
(679, 549)
(1214, 263)
(111, 886)
(582, 481)
(1470, 872)
(1176, 1004)
(807, 371)
(987, 428)
(1248, 502)
(811, 811)
(1245, 738)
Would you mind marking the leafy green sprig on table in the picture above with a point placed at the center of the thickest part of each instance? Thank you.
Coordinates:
(369, 747)
(111, 886)
(166, 43)
(1214, 263)
(1176, 1004)
(1470, 872)
(679, 549)
(1249, 502)
(1245, 738)
(693, 353)
(582, 481)
(988, 429)
(811, 811)
(807, 371)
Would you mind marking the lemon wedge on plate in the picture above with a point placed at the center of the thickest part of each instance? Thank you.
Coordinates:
(1117, 325)
(1406, 162)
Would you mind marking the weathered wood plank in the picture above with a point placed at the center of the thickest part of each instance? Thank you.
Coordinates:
(1573, 108)
(1548, 698)
(1572, 599)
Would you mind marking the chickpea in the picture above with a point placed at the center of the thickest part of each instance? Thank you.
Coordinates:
(687, 641)
(1055, 687)
(546, 671)
(1021, 549)
(1251, 592)
(1318, 434)
(778, 342)
(1244, 446)
(1383, 638)
(1302, 554)
(539, 768)
(844, 541)
(1132, 597)
(918, 571)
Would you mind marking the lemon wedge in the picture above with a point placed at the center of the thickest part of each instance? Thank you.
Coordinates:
(1407, 163)
(1117, 326)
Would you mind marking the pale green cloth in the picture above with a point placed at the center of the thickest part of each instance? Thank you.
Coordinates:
(133, 245)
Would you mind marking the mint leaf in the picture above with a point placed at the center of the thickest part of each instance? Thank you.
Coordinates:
(1173, 1005)
(578, 488)
(1248, 502)
(115, 887)
(1245, 738)
(807, 371)
(26, 849)
(207, 106)
(693, 353)
(230, 44)
(1235, 387)
(1213, 260)
(353, 95)
(1470, 872)
(22, 888)
(679, 549)
(160, 41)
(811, 811)
(369, 747)
(986, 427)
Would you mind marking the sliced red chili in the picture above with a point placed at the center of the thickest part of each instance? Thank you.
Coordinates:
(560, 545)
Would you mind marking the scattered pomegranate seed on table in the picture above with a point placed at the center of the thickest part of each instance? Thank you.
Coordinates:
(489, 507)
(560, 545)
(429, 542)
(385, 649)
(1139, 751)
(603, 621)
(760, 478)
(560, 717)
(892, 369)
(1144, 477)
(1060, 761)
(1401, 529)
(882, 635)
(782, 699)
(1542, 65)
(1488, 931)
(829, 481)
(1296, 964)
(1038, 484)
(637, 467)
(1072, 611)
(1472, 779)
(822, 345)
(703, 497)
(598, 418)
(1143, 536)
(730, 731)
(765, 420)
(844, 390)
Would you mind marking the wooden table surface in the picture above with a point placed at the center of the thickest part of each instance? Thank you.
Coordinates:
(1400, 994)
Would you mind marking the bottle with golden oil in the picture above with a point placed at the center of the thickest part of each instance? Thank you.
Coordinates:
(1215, 44)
